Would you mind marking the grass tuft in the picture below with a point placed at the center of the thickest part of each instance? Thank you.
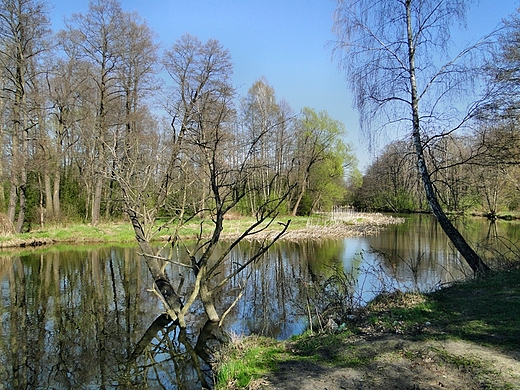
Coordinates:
(246, 360)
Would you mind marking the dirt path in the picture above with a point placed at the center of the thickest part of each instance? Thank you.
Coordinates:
(398, 363)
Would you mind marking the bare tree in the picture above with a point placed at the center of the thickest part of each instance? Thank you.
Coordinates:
(498, 131)
(94, 38)
(388, 51)
(391, 183)
(264, 118)
(200, 173)
(66, 84)
(23, 33)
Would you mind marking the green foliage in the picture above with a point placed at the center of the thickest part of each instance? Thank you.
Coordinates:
(73, 199)
(244, 206)
(272, 203)
(328, 186)
(305, 206)
(324, 160)
(389, 201)
(404, 201)
(32, 198)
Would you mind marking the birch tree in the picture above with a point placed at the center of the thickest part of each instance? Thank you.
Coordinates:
(394, 56)
(272, 122)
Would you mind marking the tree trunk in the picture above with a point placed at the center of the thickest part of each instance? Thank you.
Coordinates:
(298, 200)
(473, 260)
(21, 212)
(23, 184)
(96, 201)
(155, 266)
(209, 306)
(2, 194)
(49, 205)
(56, 195)
(41, 201)
(11, 208)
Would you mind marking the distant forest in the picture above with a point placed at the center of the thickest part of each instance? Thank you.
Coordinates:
(96, 120)
(96, 114)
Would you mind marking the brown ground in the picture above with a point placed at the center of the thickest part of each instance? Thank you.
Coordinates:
(403, 364)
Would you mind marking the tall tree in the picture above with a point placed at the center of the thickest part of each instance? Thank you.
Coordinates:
(66, 83)
(318, 140)
(387, 48)
(504, 70)
(501, 115)
(262, 117)
(95, 37)
(23, 32)
(135, 74)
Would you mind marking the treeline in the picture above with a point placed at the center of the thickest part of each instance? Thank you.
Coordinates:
(96, 114)
(478, 173)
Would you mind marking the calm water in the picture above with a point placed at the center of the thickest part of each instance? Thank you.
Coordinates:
(83, 317)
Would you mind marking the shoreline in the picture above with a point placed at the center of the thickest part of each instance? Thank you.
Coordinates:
(436, 340)
(339, 225)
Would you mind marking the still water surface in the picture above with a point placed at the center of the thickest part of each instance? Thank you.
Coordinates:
(83, 317)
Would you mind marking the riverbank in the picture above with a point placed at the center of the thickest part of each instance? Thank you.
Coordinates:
(461, 337)
(315, 227)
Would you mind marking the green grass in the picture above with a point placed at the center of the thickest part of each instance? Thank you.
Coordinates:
(484, 311)
(122, 231)
(106, 232)
(246, 360)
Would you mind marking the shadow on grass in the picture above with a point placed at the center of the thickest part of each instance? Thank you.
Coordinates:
(485, 311)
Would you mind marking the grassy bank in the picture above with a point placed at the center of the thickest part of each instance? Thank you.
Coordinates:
(319, 226)
(71, 233)
(464, 336)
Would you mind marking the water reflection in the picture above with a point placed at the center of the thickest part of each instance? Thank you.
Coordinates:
(418, 255)
(76, 319)
(169, 356)
(85, 318)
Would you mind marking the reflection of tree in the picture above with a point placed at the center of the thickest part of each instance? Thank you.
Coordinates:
(498, 246)
(78, 319)
(166, 355)
(274, 300)
(417, 254)
(19, 342)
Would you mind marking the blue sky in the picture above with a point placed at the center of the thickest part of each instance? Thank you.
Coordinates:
(284, 41)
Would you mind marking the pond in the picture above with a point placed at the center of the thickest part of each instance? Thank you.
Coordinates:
(84, 317)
